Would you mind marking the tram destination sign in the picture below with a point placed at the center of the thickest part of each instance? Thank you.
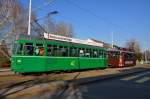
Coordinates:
(73, 40)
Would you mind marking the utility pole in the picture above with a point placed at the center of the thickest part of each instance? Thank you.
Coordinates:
(145, 57)
(29, 21)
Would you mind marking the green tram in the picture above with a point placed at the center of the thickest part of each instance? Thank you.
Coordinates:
(31, 56)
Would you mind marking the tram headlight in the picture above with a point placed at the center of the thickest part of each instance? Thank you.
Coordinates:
(19, 61)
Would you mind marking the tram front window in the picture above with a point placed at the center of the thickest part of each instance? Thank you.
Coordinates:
(28, 49)
(17, 49)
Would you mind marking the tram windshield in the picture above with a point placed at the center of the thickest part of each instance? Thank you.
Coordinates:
(28, 49)
(23, 49)
(129, 56)
(17, 49)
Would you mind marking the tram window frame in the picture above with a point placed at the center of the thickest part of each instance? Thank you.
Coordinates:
(25, 49)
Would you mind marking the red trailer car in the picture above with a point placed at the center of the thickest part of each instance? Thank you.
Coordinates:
(120, 58)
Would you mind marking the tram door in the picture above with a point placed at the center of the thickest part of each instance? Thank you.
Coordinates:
(121, 59)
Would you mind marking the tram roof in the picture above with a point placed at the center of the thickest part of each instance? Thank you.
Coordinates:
(62, 43)
(117, 50)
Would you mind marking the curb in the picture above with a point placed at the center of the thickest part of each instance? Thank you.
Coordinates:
(84, 81)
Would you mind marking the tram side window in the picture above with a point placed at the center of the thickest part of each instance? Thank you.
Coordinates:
(101, 54)
(81, 52)
(55, 50)
(114, 55)
(130, 56)
(28, 49)
(104, 54)
(87, 53)
(39, 50)
(127, 56)
(73, 52)
(49, 50)
(95, 54)
(118, 54)
(63, 51)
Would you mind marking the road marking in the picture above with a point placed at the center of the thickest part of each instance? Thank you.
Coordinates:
(144, 79)
(136, 76)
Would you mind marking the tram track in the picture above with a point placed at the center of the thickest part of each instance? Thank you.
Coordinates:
(20, 86)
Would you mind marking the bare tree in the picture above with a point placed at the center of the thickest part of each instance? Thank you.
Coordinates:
(134, 45)
(13, 20)
(14, 17)
(64, 29)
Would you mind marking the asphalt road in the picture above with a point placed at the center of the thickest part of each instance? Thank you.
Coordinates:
(135, 86)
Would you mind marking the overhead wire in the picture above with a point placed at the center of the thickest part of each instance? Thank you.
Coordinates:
(49, 2)
(100, 18)
(78, 21)
(83, 9)
(45, 4)
(94, 15)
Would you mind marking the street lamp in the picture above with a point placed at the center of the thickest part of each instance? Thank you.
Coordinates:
(53, 12)
(50, 13)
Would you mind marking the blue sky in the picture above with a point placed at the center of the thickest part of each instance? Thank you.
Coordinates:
(127, 19)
